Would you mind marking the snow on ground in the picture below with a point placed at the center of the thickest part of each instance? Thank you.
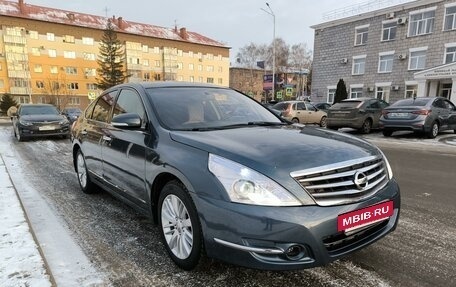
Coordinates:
(21, 263)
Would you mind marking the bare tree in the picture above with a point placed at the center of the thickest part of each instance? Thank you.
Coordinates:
(248, 56)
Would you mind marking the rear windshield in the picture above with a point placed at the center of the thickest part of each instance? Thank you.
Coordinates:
(345, 105)
(411, 102)
(280, 106)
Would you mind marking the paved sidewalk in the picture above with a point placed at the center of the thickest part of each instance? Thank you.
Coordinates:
(21, 263)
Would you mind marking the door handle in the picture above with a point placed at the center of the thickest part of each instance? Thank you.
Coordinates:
(107, 139)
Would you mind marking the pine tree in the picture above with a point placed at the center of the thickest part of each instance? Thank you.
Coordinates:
(341, 92)
(111, 59)
(6, 102)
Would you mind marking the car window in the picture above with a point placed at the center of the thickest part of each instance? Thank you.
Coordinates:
(280, 106)
(345, 105)
(89, 110)
(300, 107)
(129, 101)
(103, 107)
(439, 103)
(193, 108)
(383, 104)
(374, 105)
(310, 107)
(411, 102)
(449, 105)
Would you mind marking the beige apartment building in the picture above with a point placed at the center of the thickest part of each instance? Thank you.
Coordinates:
(50, 56)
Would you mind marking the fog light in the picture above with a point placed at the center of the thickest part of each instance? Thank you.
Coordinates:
(295, 252)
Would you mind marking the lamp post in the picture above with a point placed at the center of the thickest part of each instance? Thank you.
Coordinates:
(270, 12)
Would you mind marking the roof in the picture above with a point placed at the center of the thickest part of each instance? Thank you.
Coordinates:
(45, 14)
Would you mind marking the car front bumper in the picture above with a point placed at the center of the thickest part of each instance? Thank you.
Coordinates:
(35, 131)
(284, 238)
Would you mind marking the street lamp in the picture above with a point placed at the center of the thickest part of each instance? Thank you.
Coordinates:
(270, 12)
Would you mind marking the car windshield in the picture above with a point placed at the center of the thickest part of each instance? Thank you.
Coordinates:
(38, 110)
(345, 105)
(411, 102)
(199, 108)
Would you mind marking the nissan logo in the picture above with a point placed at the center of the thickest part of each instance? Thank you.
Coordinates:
(360, 180)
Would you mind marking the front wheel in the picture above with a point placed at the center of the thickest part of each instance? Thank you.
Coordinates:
(323, 122)
(85, 183)
(180, 226)
(17, 134)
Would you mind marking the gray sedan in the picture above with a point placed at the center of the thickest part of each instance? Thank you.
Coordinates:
(427, 115)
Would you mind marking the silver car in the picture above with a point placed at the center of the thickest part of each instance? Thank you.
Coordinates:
(427, 115)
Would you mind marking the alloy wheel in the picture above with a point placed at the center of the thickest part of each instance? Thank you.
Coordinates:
(82, 171)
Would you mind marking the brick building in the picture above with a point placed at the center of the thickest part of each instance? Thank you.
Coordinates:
(391, 53)
(49, 55)
(248, 81)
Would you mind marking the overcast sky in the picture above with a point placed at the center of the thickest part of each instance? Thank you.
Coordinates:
(235, 23)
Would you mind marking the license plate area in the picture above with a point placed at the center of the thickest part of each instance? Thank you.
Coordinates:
(46, 128)
(398, 115)
(358, 219)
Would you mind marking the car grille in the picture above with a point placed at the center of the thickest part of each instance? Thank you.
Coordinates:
(344, 182)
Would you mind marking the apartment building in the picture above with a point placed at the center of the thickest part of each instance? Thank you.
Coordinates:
(50, 56)
(393, 53)
(249, 81)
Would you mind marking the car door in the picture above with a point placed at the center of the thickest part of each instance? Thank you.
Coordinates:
(96, 121)
(443, 113)
(451, 114)
(313, 114)
(301, 112)
(124, 150)
(374, 110)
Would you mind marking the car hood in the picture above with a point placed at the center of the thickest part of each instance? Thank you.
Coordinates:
(42, 118)
(278, 149)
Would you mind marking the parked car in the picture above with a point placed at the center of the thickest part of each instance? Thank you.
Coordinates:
(322, 106)
(39, 120)
(301, 112)
(422, 115)
(72, 114)
(362, 114)
(246, 188)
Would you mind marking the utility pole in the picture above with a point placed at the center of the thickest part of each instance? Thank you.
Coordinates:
(270, 12)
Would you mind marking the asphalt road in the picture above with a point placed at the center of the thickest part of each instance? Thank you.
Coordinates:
(125, 247)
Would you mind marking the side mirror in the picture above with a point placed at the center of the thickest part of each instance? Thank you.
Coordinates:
(127, 121)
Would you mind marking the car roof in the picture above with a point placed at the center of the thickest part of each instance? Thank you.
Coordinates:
(359, 99)
(37, 105)
(167, 84)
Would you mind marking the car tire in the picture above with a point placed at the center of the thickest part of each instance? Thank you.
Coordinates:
(366, 127)
(18, 136)
(323, 122)
(434, 131)
(387, 133)
(295, 120)
(87, 186)
(179, 224)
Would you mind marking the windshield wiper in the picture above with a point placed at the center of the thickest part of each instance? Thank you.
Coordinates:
(259, 123)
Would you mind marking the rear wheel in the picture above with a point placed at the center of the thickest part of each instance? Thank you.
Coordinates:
(323, 122)
(295, 120)
(387, 133)
(85, 183)
(434, 131)
(366, 127)
(180, 226)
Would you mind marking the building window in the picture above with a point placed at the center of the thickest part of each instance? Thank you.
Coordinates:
(52, 53)
(389, 31)
(157, 50)
(38, 68)
(145, 48)
(190, 54)
(383, 93)
(220, 69)
(180, 78)
(190, 67)
(68, 39)
(92, 72)
(179, 53)
(54, 70)
(210, 68)
(385, 63)
(356, 93)
(91, 86)
(33, 34)
(146, 62)
(361, 35)
(200, 67)
(71, 70)
(40, 84)
(146, 76)
(450, 54)
(42, 100)
(220, 81)
(359, 63)
(74, 101)
(50, 36)
(133, 60)
(450, 18)
(157, 63)
(157, 77)
(331, 95)
(73, 86)
(89, 56)
(421, 23)
(192, 79)
(410, 91)
(210, 80)
(69, 54)
(417, 60)
(87, 41)
(36, 52)
(179, 66)
(200, 79)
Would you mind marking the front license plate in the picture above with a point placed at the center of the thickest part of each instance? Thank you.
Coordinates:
(46, 128)
(365, 216)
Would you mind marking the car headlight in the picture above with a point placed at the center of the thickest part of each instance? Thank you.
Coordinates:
(64, 121)
(247, 186)
(25, 123)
